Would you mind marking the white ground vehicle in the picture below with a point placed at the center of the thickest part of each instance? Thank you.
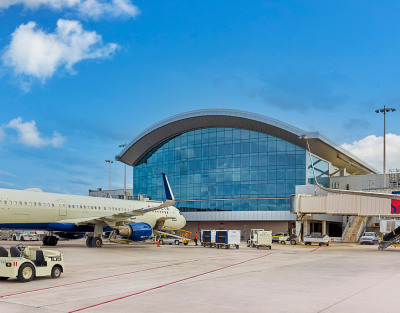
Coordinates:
(287, 240)
(25, 263)
(369, 238)
(260, 238)
(276, 236)
(24, 236)
(319, 239)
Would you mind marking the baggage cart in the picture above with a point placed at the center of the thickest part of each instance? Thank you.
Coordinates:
(227, 238)
(208, 238)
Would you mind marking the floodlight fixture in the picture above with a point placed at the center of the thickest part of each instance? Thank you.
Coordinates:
(384, 111)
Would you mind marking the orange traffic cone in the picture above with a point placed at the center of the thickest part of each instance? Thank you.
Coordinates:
(158, 243)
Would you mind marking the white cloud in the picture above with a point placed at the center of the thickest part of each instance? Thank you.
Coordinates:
(370, 150)
(34, 53)
(29, 135)
(85, 8)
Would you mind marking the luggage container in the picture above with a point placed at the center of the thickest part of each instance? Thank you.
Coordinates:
(208, 238)
(227, 238)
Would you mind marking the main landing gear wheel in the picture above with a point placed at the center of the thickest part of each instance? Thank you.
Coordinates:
(26, 272)
(89, 242)
(52, 241)
(97, 242)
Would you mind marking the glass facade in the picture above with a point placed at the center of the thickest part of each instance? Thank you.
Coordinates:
(223, 163)
(321, 172)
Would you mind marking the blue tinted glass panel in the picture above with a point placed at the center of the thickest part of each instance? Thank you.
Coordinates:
(226, 163)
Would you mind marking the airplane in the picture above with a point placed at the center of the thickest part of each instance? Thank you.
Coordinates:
(71, 216)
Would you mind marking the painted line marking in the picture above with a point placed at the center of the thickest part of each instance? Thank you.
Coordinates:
(94, 279)
(168, 284)
(315, 249)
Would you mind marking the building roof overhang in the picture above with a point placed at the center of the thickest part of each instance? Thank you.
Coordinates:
(210, 118)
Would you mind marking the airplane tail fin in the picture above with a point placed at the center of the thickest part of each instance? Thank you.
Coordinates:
(168, 192)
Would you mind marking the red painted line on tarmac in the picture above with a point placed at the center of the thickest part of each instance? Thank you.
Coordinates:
(315, 249)
(94, 279)
(168, 284)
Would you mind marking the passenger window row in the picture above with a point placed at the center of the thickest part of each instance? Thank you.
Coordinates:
(26, 203)
(73, 206)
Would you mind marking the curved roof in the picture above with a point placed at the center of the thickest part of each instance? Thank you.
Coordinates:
(175, 125)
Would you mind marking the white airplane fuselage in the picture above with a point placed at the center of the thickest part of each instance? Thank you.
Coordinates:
(30, 209)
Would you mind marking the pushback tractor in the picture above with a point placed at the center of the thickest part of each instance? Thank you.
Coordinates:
(26, 263)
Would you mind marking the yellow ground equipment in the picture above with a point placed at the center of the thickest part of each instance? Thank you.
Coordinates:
(173, 235)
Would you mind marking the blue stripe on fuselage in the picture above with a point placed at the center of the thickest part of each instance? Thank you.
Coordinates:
(67, 227)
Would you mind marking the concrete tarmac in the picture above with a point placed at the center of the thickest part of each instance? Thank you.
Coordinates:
(141, 277)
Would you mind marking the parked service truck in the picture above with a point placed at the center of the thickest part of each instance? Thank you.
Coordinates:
(260, 238)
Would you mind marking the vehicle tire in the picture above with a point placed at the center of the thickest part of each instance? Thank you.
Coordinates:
(327, 244)
(269, 247)
(237, 246)
(320, 244)
(293, 242)
(177, 242)
(22, 238)
(283, 242)
(204, 245)
(89, 242)
(56, 271)
(217, 246)
(26, 272)
(258, 247)
(46, 240)
(97, 242)
(3, 278)
(52, 241)
(14, 238)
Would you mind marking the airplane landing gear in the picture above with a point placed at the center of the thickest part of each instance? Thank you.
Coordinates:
(50, 241)
(94, 242)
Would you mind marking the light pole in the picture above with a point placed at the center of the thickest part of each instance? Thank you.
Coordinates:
(384, 111)
(109, 184)
(121, 146)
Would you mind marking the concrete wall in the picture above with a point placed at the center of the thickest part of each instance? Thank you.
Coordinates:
(361, 182)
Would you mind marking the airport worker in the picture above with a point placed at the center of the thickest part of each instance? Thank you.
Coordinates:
(195, 238)
(186, 235)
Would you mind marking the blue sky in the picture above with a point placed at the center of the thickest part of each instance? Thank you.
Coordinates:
(98, 76)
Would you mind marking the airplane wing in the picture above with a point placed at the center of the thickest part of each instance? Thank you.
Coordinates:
(114, 219)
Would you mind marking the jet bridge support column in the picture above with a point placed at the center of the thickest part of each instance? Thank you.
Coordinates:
(323, 227)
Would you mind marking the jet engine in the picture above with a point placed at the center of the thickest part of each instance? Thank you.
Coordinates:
(136, 231)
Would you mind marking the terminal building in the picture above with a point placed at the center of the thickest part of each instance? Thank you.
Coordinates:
(234, 169)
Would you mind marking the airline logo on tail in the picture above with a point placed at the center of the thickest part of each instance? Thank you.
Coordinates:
(395, 204)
